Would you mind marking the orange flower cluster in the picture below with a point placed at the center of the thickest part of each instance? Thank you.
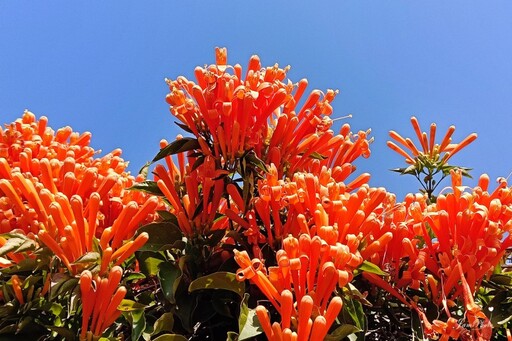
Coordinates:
(330, 231)
(52, 187)
(304, 280)
(195, 195)
(231, 114)
(449, 247)
(54, 191)
(100, 299)
(443, 151)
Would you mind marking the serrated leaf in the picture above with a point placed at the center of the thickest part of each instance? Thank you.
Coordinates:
(177, 146)
(160, 235)
(218, 280)
(147, 186)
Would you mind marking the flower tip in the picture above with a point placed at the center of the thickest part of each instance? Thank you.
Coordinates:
(221, 55)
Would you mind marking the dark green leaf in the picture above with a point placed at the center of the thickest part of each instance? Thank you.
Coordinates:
(66, 333)
(89, 257)
(253, 160)
(169, 277)
(184, 127)
(138, 324)
(342, 332)
(218, 280)
(17, 243)
(149, 262)
(199, 161)
(165, 323)
(170, 337)
(160, 235)
(178, 146)
(147, 186)
(168, 216)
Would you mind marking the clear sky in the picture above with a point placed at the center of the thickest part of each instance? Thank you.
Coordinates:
(99, 66)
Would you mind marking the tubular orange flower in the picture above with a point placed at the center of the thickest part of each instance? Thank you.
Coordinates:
(100, 301)
(57, 190)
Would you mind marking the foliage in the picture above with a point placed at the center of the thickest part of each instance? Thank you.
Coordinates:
(251, 227)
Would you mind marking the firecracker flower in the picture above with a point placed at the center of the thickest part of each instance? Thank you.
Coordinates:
(52, 187)
(100, 298)
(195, 192)
(231, 114)
(430, 158)
(307, 273)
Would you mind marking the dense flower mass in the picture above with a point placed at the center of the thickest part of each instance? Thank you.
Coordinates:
(55, 192)
(249, 227)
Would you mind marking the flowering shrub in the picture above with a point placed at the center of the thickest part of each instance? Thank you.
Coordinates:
(252, 226)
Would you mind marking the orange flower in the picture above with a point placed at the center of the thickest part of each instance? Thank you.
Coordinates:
(53, 187)
(100, 299)
(231, 114)
(428, 148)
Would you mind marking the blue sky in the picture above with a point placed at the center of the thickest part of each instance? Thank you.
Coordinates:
(100, 66)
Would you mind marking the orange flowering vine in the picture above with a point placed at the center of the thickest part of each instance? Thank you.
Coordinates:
(101, 298)
(231, 113)
(52, 187)
(429, 158)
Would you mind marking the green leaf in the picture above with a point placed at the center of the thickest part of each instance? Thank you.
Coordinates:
(317, 156)
(129, 305)
(248, 323)
(144, 170)
(218, 280)
(167, 216)
(89, 257)
(353, 311)
(147, 186)
(255, 161)
(66, 333)
(170, 337)
(149, 262)
(184, 127)
(342, 332)
(169, 277)
(231, 336)
(372, 268)
(165, 323)
(17, 243)
(160, 235)
(501, 279)
(138, 320)
(177, 146)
